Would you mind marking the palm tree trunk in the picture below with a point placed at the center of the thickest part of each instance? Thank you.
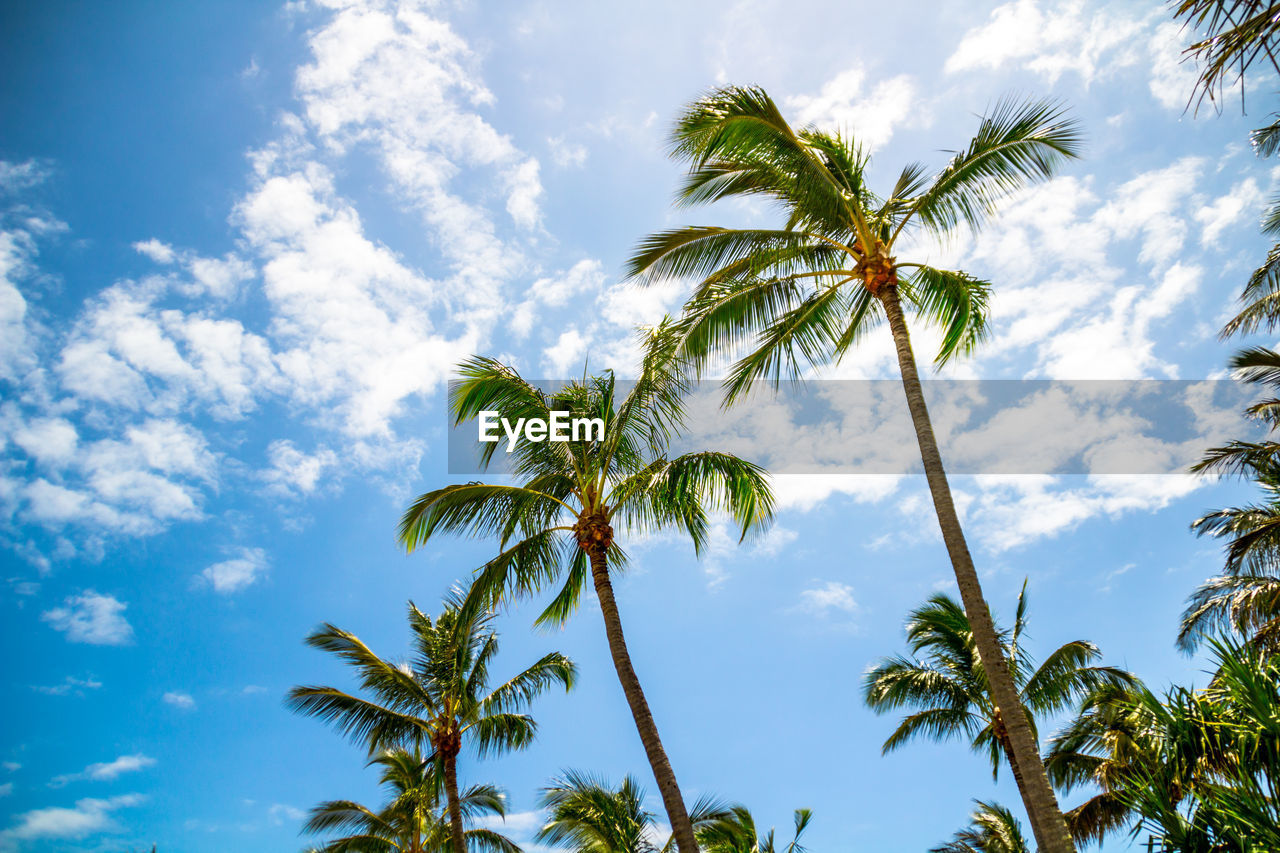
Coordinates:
(681, 826)
(1002, 735)
(1047, 823)
(455, 807)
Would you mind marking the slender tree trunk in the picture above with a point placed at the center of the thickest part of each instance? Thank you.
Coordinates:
(1047, 823)
(681, 826)
(455, 807)
(1002, 735)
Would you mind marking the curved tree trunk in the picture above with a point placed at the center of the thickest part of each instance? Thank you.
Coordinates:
(1047, 823)
(455, 808)
(681, 826)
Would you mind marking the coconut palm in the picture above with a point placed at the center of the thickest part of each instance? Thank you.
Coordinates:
(945, 683)
(1109, 741)
(993, 829)
(557, 523)
(735, 832)
(1246, 597)
(805, 292)
(436, 698)
(413, 820)
(587, 815)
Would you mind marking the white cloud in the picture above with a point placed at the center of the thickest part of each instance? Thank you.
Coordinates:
(161, 253)
(567, 154)
(69, 685)
(831, 596)
(6, 789)
(565, 357)
(293, 471)
(106, 771)
(178, 699)
(1241, 202)
(91, 618)
(237, 573)
(86, 817)
(280, 812)
(1051, 41)
(870, 117)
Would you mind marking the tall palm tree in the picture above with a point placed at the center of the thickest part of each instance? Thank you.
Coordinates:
(1246, 597)
(436, 698)
(557, 524)
(805, 292)
(993, 829)
(587, 815)
(946, 684)
(412, 821)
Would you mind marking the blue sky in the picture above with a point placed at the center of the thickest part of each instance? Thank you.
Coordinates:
(242, 246)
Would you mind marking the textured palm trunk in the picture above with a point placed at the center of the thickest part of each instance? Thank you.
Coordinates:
(681, 826)
(455, 807)
(1047, 823)
(1002, 735)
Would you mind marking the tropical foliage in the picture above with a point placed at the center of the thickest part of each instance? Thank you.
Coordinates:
(414, 819)
(992, 829)
(587, 815)
(946, 686)
(559, 523)
(1245, 598)
(437, 699)
(801, 293)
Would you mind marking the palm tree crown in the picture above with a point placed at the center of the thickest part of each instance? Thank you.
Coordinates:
(557, 523)
(437, 699)
(1245, 598)
(587, 815)
(945, 681)
(414, 819)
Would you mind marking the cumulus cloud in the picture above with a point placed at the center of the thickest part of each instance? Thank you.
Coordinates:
(180, 700)
(828, 597)
(91, 618)
(237, 573)
(106, 771)
(69, 685)
(58, 822)
(846, 104)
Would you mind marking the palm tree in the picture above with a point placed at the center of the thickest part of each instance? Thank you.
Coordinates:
(946, 683)
(993, 829)
(558, 523)
(1215, 783)
(434, 699)
(1246, 597)
(1108, 742)
(735, 832)
(587, 815)
(412, 820)
(806, 292)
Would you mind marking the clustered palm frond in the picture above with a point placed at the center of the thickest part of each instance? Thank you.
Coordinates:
(1245, 599)
(570, 494)
(414, 819)
(436, 701)
(993, 829)
(806, 292)
(945, 680)
(1214, 779)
